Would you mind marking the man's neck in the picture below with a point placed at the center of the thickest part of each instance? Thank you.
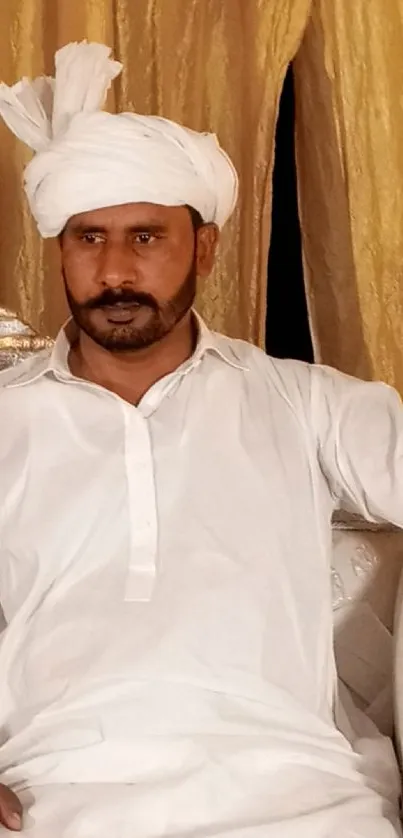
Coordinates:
(131, 374)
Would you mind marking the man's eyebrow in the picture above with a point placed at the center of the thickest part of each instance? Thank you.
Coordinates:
(80, 227)
(147, 227)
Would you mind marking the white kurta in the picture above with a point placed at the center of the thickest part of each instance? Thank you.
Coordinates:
(164, 575)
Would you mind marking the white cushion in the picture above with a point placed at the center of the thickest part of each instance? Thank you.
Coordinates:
(365, 575)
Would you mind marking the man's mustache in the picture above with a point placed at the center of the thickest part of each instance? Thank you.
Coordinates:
(111, 298)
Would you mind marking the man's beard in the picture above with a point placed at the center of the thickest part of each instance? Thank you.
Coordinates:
(128, 337)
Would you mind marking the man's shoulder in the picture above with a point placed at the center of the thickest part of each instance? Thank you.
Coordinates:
(289, 380)
(255, 358)
(24, 371)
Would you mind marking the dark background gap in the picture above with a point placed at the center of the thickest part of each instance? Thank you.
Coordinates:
(287, 325)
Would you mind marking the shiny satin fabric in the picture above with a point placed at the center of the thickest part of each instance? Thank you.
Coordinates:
(349, 82)
(17, 340)
(213, 66)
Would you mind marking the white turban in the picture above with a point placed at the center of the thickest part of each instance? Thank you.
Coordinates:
(87, 159)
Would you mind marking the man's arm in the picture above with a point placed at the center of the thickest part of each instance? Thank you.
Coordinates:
(359, 431)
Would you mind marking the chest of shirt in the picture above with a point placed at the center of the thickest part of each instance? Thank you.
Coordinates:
(198, 472)
(215, 492)
(216, 498)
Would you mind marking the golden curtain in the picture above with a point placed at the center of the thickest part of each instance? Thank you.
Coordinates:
(212, 65)
(349, 87)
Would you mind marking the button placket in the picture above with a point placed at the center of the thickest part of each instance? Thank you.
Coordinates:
(142, 508)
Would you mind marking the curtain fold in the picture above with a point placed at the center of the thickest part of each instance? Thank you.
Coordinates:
(213, 66)
(348, 84)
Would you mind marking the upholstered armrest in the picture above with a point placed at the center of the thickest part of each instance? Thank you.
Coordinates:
(17, 339)
(366, 567)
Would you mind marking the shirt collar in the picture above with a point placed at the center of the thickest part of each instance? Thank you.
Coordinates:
(217, 344)
(57, 362)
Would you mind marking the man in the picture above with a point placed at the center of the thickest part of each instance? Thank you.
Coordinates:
(165, 504)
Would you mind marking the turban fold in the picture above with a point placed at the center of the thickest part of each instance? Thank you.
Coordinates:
(87, 158)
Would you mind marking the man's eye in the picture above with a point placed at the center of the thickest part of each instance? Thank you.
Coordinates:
(144, 238)
(91, 238)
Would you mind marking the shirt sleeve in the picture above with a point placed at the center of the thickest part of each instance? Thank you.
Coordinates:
(358, 427)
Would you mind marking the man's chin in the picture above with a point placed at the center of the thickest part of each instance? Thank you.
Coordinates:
(121, 339)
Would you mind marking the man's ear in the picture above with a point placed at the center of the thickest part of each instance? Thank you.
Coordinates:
(207, 238)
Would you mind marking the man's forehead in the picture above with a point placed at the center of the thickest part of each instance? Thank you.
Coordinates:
(130, 215)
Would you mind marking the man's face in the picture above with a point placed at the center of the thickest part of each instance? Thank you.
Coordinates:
(130, 271)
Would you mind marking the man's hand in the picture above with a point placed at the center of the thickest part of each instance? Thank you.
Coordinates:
(10, 809)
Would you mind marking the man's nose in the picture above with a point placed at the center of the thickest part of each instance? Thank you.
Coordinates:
(117, 265)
